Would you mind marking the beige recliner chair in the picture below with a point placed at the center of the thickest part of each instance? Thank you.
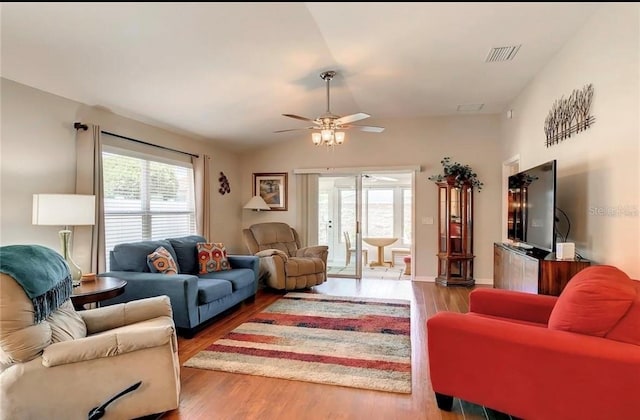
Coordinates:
(284, 265)
(72, 362)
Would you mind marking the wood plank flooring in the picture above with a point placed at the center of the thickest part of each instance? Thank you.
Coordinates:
(219, 395)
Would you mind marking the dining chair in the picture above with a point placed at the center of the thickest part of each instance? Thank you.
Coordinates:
(352, 249)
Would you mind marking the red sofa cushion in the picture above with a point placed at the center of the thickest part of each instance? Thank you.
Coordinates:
(594, 301)
(628, 329)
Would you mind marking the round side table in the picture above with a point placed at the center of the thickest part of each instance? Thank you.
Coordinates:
(95, 291)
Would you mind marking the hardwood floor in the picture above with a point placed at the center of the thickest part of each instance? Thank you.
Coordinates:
(218, 395)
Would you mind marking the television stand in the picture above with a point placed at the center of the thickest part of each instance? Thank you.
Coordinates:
(527, 250)
(532, 270)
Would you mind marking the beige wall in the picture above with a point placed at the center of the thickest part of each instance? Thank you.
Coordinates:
(38, 156)
(598, 168)
(419, 142)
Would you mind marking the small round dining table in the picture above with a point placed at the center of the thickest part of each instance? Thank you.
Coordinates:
(380, 243)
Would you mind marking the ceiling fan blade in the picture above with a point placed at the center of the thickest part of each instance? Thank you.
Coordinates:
(298, 117)
(368, 128)
(295, 129)
(351, 118)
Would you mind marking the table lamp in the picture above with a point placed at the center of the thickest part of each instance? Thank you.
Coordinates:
(65, 210)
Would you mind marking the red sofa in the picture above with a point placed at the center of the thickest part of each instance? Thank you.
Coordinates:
(576, 356)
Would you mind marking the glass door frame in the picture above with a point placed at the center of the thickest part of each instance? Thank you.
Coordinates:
(359, 171)
(357, 239)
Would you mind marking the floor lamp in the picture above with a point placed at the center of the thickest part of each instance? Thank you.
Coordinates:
(65, 210)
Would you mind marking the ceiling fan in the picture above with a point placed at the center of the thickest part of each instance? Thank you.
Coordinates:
(328, 123)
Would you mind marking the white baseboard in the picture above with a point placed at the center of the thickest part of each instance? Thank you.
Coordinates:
(488, 282)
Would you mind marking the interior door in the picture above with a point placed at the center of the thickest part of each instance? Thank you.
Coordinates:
(339, 213)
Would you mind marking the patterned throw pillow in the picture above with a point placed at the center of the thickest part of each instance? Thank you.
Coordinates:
(161, 261)
(212, 257)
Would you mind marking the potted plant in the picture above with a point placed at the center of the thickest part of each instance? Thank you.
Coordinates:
(521, 180)
(459, 173)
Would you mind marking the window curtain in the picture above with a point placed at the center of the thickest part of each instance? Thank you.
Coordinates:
(202, 185)
(307, 193)
(88, 241)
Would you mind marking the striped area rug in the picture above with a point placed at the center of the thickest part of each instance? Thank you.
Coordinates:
(353, 342)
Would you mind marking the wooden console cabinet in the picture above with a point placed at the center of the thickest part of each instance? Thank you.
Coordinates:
(516, 270)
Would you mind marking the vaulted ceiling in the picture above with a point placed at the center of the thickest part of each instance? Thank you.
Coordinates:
(227, 71)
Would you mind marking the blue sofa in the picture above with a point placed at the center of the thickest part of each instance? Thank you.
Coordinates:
(195, 298)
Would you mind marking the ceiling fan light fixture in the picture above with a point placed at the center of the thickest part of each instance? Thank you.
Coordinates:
(328, 123)
(328, 137)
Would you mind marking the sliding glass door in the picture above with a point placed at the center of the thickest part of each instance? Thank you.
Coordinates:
(339, 204)
(376, 206)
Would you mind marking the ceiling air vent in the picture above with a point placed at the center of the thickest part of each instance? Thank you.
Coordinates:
(502, 53)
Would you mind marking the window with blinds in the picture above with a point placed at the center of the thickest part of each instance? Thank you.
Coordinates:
(145, 198)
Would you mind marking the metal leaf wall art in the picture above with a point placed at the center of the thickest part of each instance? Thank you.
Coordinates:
(568, 116)
(224, 184)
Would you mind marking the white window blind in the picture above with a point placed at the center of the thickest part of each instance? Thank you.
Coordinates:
(387, 213)
(145, 197)
(380, 210)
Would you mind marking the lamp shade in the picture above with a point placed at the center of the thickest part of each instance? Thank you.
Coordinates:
(257, 203)
(64, 209)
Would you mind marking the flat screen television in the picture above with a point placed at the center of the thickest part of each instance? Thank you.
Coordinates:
(531, 211)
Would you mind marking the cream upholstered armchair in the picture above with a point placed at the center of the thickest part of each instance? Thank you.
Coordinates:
(284, 264)
(71, 362)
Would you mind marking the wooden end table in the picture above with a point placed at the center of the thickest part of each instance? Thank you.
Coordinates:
(95, 291)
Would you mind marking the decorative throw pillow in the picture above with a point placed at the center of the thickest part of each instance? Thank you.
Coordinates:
(212, 257)
(594, 301)
(161, 261)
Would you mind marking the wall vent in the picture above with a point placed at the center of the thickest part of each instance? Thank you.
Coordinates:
(502, 53)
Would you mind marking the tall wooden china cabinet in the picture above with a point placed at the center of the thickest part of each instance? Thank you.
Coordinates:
(455, 233)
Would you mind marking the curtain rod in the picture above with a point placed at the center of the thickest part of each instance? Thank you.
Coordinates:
(358, 169)
(80, 126)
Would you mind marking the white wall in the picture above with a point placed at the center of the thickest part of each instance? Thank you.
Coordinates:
(598, 168)
(419, 142)
(38, 156)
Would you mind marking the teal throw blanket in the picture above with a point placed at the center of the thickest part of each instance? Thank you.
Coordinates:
(42, 273)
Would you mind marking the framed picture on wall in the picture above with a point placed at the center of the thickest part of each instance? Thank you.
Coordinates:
(272, 187)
